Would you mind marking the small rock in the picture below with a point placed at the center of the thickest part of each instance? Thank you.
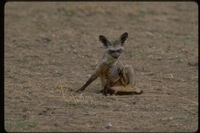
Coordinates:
(134, 102)
(108, 125)
(55, 124)
(159, 58)
(72, 46)
(75, 51)
(40, 113)
(149, 34)
(193, 62)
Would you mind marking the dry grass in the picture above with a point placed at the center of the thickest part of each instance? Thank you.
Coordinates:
(51, 48)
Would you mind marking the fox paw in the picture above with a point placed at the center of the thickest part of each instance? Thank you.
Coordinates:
(78, 90)
(137, 91)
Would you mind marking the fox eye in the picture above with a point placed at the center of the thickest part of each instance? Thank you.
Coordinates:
(119, 50)
(112, 51)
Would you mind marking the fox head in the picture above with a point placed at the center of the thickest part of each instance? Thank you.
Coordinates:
(116, 47)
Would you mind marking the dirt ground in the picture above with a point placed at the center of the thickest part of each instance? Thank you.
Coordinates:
(51, 48)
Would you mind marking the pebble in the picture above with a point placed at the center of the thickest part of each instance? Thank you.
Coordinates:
(193, 62)
(108, 125)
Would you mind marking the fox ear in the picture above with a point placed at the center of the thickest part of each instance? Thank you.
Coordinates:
(104, 40)
(123, 37)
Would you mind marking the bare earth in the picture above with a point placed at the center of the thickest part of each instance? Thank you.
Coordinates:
(51, 48)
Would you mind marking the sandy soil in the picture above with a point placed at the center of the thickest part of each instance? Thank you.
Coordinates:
(51, 48)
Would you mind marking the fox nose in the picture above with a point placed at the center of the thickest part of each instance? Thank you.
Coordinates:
(115, 55)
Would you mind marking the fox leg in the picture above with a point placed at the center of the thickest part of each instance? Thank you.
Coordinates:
(89, 81)
(127, 77)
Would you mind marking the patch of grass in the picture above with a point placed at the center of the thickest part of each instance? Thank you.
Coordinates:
(24, 45)
(36, 58)
(189, 38)
(27, 85)
(181, 118)
(55, 130)
(142, 55)
(194, 110)
(108, 12)
(71, 89)
(196, 79)
(129, 53)
(19, 126)
(87, 55)
(55, 63)
(164, 13)
(91, 8)
(23, 60)
(80, 101)
(143, 14)
(11, 71)
(42, 25)
(74, 104)
(195, 22)
(17, 97)
(45, 40)
(104, 106)
(178, 60)
(197, 67)
(58, 74)
(68, 12)
(37, 67)
(150, 74)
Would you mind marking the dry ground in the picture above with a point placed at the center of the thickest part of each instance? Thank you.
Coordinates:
(52, 47)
